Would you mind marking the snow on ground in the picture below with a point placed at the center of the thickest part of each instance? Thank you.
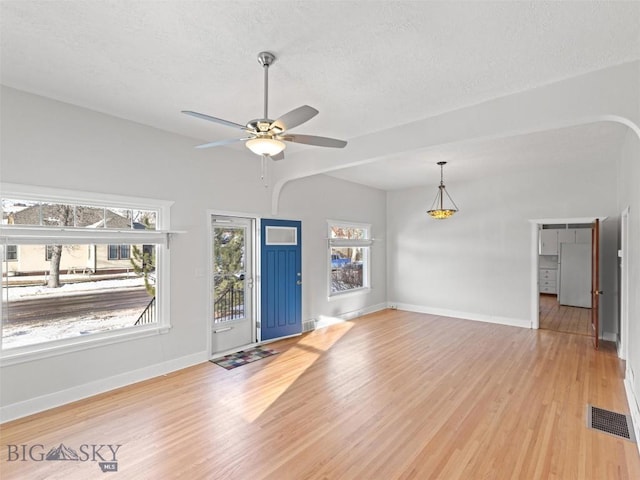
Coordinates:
(19, 292)
(45, 331)
(31, 333)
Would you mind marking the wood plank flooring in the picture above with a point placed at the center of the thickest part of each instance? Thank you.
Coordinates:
(562, 318)
(391, 395)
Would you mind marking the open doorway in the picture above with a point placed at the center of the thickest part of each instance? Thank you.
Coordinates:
(563, 318)
(564, 277)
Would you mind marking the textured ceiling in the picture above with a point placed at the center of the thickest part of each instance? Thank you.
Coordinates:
(367, 66)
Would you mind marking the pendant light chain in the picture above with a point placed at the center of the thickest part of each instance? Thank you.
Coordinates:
(441, 188)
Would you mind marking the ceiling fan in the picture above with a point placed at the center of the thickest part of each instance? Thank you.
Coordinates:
(264, 136)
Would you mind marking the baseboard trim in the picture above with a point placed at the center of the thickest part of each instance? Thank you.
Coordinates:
(632, 401)
(610, 337)
(62, 397)
(363, 311)
(478, 317)
(326, 320)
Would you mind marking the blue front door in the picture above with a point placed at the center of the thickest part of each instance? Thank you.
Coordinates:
(281, 278)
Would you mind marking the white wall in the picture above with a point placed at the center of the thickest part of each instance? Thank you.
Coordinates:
(477, 264)
(316, 199)
(629, 196)
(49, 143)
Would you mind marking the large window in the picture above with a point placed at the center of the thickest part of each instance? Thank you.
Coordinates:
(348, 261)
(80, 268)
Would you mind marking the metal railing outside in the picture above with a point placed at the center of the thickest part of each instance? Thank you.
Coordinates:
(229, 305)
(148, 315)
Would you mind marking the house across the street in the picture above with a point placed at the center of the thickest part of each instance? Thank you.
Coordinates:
(29, 259)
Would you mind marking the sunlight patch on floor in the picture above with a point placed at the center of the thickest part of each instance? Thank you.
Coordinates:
(325, 321)
(267, 386)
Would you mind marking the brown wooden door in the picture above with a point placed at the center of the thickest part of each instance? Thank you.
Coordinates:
(595, 281)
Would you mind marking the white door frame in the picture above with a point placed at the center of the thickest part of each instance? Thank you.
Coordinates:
(209, 273)
(535, 269)
(623, 345)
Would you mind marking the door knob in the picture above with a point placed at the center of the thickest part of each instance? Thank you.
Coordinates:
(299, 282)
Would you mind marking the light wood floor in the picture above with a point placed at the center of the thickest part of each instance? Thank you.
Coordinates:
(392, 395)
(562, 318)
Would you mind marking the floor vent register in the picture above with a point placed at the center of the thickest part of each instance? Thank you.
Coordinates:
(613, 423)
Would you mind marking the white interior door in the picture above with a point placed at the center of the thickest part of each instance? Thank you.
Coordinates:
(232, 274)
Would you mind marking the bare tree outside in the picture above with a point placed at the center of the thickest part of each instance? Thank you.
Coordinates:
(61, 215)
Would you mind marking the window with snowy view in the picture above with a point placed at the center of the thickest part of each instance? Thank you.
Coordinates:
(349, 246)
(75, 272)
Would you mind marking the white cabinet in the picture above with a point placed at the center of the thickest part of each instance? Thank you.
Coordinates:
(583, 235)
(551, 238)
(549, 242)
(548, 280)
(567, 235)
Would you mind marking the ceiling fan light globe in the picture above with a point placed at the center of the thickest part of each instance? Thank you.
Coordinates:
(265, 146)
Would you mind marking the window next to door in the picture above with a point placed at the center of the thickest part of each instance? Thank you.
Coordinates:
(348, 257)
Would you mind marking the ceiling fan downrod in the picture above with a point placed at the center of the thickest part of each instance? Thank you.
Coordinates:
(264, 136)
(265, 59)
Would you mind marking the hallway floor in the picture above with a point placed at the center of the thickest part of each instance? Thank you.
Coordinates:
(561, 318)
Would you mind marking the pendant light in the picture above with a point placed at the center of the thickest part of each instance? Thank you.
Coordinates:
(438, 209)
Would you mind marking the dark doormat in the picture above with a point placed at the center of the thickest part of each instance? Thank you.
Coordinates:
(238, 359)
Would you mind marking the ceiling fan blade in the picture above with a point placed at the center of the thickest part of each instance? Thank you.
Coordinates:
(279, 156)
(313, 140)
(294, 118)
(214, 119)
(219, 143)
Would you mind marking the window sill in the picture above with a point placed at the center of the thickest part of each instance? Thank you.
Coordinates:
(349, 293)
(61, 347)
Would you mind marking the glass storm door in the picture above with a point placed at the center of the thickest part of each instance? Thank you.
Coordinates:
(233, 322)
